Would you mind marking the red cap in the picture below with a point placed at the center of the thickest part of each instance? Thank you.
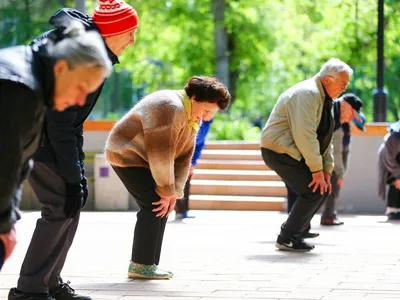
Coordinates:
(114, 17)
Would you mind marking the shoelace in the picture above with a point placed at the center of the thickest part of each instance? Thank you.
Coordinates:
(65, 287)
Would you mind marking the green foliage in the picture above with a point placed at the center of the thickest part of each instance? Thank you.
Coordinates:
(112, 116)
(273, 45)
(233, 127)
(22, 21)
(174, 42)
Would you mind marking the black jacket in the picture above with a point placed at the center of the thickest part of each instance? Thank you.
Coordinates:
(344, 126)
(63, 134)
(26, 88)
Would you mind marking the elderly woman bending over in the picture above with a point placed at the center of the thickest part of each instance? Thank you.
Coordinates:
(150, 149)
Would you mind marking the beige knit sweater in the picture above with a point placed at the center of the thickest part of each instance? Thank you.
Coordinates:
(155, 134)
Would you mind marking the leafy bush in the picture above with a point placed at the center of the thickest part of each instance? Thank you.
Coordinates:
(233, 127)
(113, 116)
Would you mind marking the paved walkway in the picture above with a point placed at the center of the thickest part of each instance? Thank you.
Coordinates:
(229, 255)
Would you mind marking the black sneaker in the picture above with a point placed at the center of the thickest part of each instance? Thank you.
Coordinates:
(15, 294)
(292, 244)
(393, 216)
(65, 292)
(309, 235)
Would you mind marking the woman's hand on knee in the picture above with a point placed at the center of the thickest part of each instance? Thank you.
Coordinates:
(172, 203)
(164, 206)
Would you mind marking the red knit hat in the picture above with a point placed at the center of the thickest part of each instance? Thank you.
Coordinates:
(114, 17)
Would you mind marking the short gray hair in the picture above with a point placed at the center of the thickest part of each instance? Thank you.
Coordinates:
(81, 48)
(334, 66)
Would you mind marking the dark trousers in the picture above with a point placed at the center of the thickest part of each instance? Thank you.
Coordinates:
(330, 204)
(182, 205)
(297, 176)
(149, 229)
(393, 197)
(291, 198)
(53, 235)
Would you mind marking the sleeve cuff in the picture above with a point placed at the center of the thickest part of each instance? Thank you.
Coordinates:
(179, 195)
(328, 169)
(165, 191)
(315, 168)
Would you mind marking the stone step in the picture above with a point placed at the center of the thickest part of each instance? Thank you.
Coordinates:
(227, 154)
(228, 202)
(235, 145)
(231, 164)
(247, 175)
(238, 188)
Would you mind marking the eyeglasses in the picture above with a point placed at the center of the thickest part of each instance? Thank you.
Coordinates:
(343, 84)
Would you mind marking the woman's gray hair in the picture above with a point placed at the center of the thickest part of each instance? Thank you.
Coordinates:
(334, 66)
(81, 48)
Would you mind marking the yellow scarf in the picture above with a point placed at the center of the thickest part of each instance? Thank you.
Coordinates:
(188, 106)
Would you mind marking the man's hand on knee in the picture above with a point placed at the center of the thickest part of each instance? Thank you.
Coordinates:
(318, 182)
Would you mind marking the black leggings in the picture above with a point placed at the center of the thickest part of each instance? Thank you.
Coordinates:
(149, 229)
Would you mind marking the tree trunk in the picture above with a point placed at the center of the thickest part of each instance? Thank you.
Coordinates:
(233, 74)
(221, 42)
(27, 20)
(80, 5)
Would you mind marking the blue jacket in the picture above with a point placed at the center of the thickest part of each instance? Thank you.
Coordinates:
(201, 140)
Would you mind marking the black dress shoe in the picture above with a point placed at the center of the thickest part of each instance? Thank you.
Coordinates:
(64, 292)
(15, 294)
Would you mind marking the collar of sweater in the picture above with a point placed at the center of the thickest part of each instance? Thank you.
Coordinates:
(188, 107)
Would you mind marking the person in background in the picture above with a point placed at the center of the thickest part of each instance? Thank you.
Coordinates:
(296, 143)
(258, 122)
(389, 171)
(182, 205)
(58, 178)
(150, 149)
(345, 109)
(49, 75)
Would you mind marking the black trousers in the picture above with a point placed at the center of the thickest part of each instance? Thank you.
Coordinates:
(182, 205)
(291, 198)
(53, 235)
(149, 229)
(297, 176)
(330, 203)
(393, 197)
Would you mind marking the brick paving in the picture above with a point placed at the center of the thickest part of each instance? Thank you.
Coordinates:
(229, 255)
